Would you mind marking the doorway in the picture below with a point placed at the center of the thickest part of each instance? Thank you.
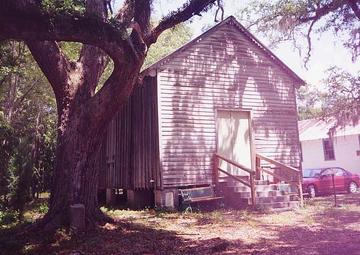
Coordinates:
(234, 140)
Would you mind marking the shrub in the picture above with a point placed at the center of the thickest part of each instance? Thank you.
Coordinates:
(7, 217)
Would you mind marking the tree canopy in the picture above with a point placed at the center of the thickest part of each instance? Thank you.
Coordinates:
(298, 20)
(87, 93)
(28, 127)
(295, 19)
(28, 116)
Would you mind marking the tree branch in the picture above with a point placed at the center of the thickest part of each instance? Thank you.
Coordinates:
(18, 101)
(354, 6)
(140, 25)
(194, 7)
(126, 13)
(142, 13)
(93, 59)
(321, 11)
(54, 65)
(308, 37)
(115, 92)
(3, 79)
(22, 24)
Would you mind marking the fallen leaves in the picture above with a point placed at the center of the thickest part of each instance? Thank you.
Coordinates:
(317, 229)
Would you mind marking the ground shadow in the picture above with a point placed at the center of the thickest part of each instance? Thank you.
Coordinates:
(117, 238)
(319, 229)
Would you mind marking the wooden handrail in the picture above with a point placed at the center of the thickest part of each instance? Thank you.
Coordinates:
(282, 166)
(281, 178)
(235, 177)
(277, 163)
(235, 164)
(250, 184)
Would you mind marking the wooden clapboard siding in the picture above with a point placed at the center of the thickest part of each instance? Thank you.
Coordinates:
(132, 147)
(224, 69)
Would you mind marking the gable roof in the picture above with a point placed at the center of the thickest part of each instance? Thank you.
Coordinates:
(314, 129)
(232, 21)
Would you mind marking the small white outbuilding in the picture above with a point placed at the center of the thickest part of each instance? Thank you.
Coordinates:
(342, 149)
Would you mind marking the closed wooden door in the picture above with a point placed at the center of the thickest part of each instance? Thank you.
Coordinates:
(234, 139)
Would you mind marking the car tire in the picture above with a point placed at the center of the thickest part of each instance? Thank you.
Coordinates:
(312, 191)
(353, 187)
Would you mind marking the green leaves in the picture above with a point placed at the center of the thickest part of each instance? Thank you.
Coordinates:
(63, 6)
(342, 100)
(27, 123)
(299, 21)
(296, 20)
(167, 43)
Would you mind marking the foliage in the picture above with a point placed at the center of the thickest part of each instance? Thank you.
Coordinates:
(343, 97)
(309, 101)
(340, 99)
(71, 49)
(7, 217)
(43, 208)
(63, 6)
(297, 20)
(8, 143)
(27, 127)
(84, 110)
(28, 117)
(167, 43)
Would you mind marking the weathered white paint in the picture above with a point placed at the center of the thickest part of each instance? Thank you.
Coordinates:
(224, 69)
(345, 148)
(167, 130)
(233, 139)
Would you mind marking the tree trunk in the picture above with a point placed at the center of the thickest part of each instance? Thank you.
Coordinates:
(83, 113)
(75, 177)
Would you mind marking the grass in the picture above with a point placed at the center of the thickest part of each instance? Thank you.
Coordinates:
(33, 210)
(318, 228)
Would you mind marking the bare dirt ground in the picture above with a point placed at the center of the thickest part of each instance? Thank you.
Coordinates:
(319, 228)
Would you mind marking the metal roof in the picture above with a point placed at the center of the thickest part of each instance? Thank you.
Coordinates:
(314, 129)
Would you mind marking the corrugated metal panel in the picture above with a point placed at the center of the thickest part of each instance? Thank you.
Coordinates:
(223, 70)
(132, 148)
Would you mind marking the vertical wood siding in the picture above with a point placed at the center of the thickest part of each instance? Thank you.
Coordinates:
(223, 70)
(132, 147)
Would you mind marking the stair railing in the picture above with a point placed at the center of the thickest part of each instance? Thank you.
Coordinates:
(281, 172)
(250, 183)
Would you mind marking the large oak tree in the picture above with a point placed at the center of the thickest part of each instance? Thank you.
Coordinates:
(84, 108)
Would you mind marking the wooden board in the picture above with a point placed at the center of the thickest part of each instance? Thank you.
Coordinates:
(223, 70)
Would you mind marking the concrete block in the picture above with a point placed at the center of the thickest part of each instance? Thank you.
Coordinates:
(77, 214)
(167, 198)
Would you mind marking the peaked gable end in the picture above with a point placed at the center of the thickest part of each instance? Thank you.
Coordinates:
(228, 41)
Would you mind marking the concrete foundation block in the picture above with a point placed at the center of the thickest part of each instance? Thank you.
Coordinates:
(77, 213)
(167, 198)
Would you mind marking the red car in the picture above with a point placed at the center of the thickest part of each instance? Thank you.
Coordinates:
(319, 181)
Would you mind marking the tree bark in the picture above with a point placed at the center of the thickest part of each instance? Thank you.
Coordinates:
(75, 173)
(83, 113)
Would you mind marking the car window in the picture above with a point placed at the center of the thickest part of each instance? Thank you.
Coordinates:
(339, 172)
(333, 171)
(309, 173)
(328, 172)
